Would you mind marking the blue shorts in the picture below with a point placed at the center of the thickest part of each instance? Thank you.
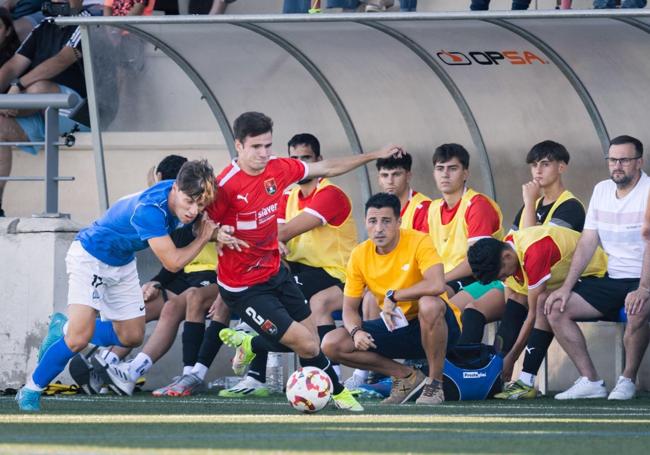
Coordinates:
(34, 125)
(406, 343)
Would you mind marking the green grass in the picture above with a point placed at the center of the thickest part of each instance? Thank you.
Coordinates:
(81, 424)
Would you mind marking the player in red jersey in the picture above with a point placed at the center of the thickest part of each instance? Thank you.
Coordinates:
(251, 281)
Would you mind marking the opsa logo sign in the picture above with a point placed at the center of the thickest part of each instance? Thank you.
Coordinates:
(490, 58)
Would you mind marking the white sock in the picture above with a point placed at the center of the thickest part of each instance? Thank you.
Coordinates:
(110, 357)
(140, 365)
(31, 385)
(200, 370)
(527, 378)
(361, 374)
(65, 328)
(187, 369)
(337, 370)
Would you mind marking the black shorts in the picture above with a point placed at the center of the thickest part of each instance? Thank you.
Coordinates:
(458, 285)
(606, 294)
(312, 280)
(185, 281)
(406, 343)
(269, 307)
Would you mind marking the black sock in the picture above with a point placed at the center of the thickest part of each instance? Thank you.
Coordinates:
(192, 339)
(211, 343)
(322, 362)
(511, 323)
(257, 369)
(324, 330)
(473, 326)
(260, 344)
(536, 347)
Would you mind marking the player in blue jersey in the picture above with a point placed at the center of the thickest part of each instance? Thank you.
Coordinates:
(102, 270)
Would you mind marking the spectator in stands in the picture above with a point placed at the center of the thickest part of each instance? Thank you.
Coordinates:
(614, 220)
(26, 15)
(128, 7)
(49, 61)
(404, 272)
(319, 231)
(603, 4)
(9, 41)
(484, 5)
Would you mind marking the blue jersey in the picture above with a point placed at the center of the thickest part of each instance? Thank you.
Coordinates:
(127, 225)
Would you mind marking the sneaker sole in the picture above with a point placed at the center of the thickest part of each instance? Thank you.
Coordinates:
(586, 397)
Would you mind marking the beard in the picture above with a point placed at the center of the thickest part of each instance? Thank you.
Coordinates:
(622, 180)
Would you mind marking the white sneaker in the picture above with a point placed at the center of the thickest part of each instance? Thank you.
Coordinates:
(583, 388)
(624, 389)
(118, 377)
(353, 382)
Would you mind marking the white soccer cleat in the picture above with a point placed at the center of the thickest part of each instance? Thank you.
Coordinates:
(353, 382)
(118, 376)
(624, 389)
(583, 388)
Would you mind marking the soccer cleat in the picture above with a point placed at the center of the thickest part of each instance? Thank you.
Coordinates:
(517, 391)
(54, 334)
(244, 354)
(162, 391)
(432, 394)
(84, 375)
(117, 376)
(247, 387)
(353, 382)
(345, 400)
(187, 385)
(404, 388)
(623, 390)
(379, 389)
(583, 388)
(29, 400)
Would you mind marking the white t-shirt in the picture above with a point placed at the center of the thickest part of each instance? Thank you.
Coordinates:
(618, 223)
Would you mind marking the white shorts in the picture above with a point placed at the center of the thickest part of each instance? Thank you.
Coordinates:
(113, 291)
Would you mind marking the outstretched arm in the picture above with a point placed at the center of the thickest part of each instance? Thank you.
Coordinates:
(338, 166)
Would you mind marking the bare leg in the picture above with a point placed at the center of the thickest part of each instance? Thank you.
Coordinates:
(433, 328)
(10, 131)
(325, 302)
(164, 334)
(635, 340)
(369, 307)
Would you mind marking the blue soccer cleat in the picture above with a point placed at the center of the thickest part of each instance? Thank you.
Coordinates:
(54, 334)
(29, 400)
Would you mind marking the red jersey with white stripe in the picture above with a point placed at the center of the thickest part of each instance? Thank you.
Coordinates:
(251, 205)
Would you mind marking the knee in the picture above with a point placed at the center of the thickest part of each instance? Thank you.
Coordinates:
(193, 298)
(42, 86)
(131, 338)
(77, 342)
(331, 342)
(431, 309)
(173, 310)
(309, 348)
(555, 317)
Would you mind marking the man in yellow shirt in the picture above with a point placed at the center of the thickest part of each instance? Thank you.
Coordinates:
(403, 271)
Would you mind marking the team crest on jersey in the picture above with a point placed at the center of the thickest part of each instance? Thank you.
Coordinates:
(269, 327)
(270, 186)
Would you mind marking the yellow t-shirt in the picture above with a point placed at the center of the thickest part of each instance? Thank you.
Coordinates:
(401, 268)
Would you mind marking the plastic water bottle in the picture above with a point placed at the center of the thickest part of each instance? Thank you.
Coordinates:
(275, 372)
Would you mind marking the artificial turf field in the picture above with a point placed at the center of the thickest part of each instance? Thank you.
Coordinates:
(207, 423)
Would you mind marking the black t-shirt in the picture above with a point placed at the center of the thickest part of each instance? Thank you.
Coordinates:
(570, 214)
(45, 41)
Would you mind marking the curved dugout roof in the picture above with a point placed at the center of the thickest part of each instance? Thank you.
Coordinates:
(495, 82)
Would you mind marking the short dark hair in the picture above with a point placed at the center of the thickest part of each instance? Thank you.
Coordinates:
(484, 258)
(446, 152)
(305, 139)
(392, 162)
(381, 200)
(169, 166)
(550, 150)
(251, 124)
(196, 179)
(625, 139)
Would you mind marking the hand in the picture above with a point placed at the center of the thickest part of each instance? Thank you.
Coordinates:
(206, 227)
(150, 290)
(363, 341)
(212, 309)
(225, 237)
(508, 366)
(13, 90)
(284, 251)
(388, 151)
(388, 308)
(635, 300)
(530, 192)
(558, 297)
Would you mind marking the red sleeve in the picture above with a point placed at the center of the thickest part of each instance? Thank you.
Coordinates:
(292, 171)
(538, 260)
(282, 212)
(482, 219)
(330, 205)
(217, 209)
(421, 217)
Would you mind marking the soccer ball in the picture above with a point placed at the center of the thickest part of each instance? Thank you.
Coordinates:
(309, 389)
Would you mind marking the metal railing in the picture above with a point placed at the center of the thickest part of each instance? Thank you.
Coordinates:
(51, 102)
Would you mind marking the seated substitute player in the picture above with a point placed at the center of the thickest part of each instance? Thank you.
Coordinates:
(536, 259)
(103, 274)
(403, 271)
(316, 224)
(546, 202)
(251, 281)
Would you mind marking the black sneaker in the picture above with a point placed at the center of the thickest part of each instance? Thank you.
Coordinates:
(85, 375)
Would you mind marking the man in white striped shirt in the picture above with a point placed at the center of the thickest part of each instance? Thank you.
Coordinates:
(614, 220)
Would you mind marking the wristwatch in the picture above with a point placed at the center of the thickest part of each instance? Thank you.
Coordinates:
(18, 84)
(390, 295)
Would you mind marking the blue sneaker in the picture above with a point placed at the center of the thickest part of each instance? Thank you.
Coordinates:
(54, 334)
(29, 400)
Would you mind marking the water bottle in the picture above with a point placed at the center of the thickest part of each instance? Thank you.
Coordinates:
(275, 372)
